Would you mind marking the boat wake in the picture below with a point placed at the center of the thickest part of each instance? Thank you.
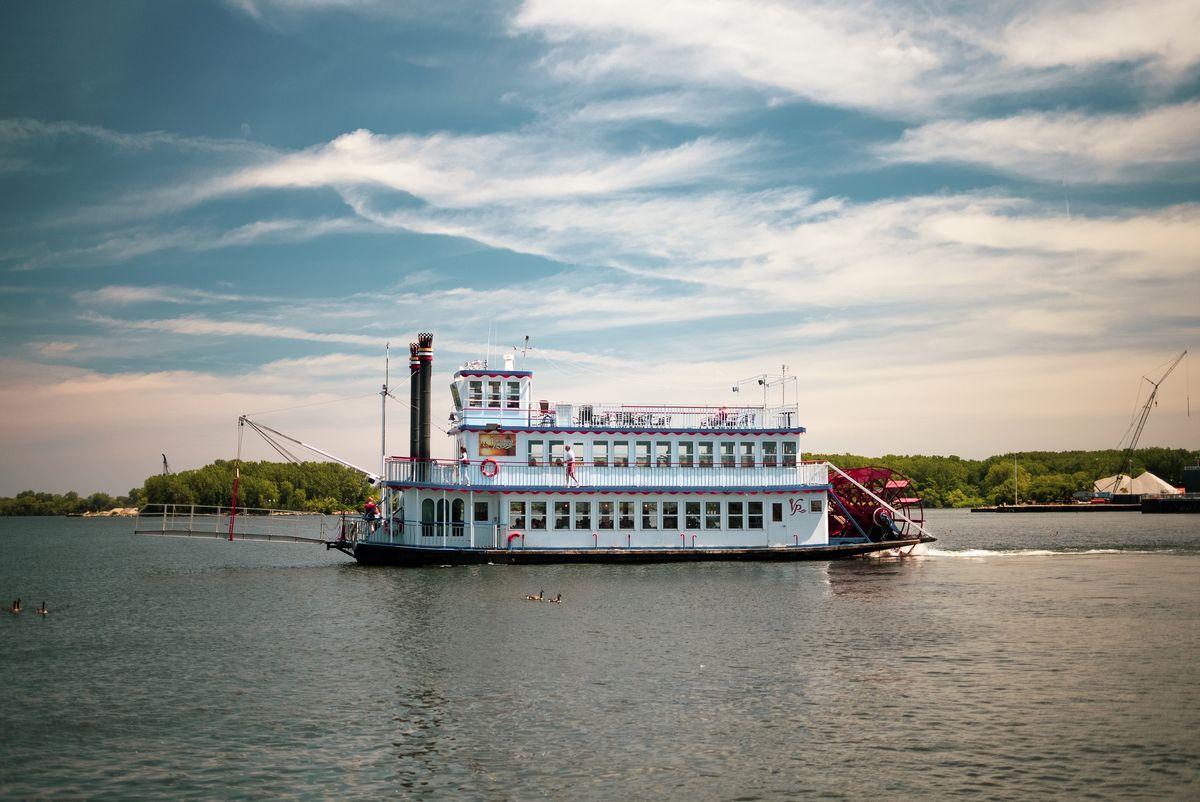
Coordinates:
(982, 553)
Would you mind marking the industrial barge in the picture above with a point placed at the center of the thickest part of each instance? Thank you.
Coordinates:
(540, 481)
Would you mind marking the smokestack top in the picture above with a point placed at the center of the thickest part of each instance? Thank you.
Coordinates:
(425, 346)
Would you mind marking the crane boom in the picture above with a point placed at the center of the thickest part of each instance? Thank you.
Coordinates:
(1145, 414)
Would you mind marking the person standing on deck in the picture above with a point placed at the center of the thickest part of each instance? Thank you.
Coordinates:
(569, 461)
(464, 462)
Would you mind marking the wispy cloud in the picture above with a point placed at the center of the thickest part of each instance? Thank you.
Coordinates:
(118, 295)
(199, 326)
(1075, 147)
(20, 131)
(132, 244)
(450, 170)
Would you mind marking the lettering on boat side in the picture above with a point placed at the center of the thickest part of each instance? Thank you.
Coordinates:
(796, 504)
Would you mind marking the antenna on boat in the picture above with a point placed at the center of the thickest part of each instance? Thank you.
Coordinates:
(523, 349)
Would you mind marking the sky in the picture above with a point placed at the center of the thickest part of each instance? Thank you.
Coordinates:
(964, 228)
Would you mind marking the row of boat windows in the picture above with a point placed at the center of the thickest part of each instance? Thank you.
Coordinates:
(667, 453)
(667, 515)
(506, 394)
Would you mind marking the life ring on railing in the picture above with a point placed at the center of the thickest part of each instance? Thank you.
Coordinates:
(515, 535)
(489, 468)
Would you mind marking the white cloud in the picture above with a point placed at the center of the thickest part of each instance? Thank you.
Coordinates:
(906, 60)
(1165, 34)
(826, 52)
(1073, 147)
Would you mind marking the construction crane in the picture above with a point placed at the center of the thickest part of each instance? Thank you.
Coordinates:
(1136, 428)
(166, 467)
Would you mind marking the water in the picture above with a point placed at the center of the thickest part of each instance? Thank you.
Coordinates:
(1023, 657)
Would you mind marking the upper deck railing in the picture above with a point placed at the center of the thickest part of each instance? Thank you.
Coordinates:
(662, 474)
(632, 416)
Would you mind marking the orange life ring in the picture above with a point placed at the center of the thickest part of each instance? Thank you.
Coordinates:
(489, 468)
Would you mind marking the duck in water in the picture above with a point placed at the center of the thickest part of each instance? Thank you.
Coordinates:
(16, 607)
(556, 600)
(42, 610)
(539, 597)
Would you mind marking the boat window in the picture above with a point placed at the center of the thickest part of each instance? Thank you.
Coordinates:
(537, 452)
(514, 395)
(649, 515)
(777, 512)
(556, 452)
(475, 388)
(482, 513)
(735, 514)
(727, 460)
(685, 454)
(712, 515)
(691, 515)
(770, 453)
(670, 514)
(562, 515)
(443, 515)
(626, 514)
(747, 450)
(600, 454)
(606, 515)
(816, 505)
(789, 453)
(458, 511)
(621, 454)
(516, 514)
(583, 515)
(537, 515)
(706, 455)
(427, 517)
(754, 515)
(662, 454)
(494, 394)
(643, 453)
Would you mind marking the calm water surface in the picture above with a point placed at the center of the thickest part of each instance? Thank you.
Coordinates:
(1021, 657)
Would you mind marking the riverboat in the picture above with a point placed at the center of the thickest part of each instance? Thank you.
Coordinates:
(545, 481)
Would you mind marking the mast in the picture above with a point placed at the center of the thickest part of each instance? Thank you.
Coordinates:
(383, 394)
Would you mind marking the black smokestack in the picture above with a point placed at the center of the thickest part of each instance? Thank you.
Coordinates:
(425, 352)
(414, 402)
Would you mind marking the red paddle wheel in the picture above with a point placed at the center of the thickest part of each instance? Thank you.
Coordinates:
(860, 512)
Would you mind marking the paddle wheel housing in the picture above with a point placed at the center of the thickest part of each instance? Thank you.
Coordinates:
(855, 512)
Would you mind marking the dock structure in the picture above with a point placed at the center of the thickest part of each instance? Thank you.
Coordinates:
(1060, 508)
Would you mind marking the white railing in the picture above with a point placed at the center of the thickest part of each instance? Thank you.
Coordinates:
(516, 474)
(634, 416)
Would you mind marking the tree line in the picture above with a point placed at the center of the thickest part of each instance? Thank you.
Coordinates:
(1041, 476)
(307, 486)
